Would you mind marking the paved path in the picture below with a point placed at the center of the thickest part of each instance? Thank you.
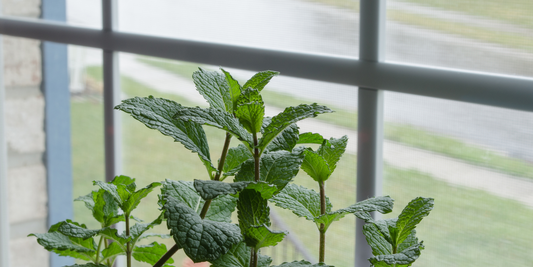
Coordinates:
(441, 167)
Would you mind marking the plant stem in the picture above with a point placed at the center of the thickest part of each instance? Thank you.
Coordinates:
(128, 245)
(167, 256)
(106, 245)
(97, 261)
(322, 230)
(254, 257)
(207, 203)
(256, 158)
(223, 156)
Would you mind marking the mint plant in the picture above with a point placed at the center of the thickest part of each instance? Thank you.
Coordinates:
(114, 202)
(270, 153)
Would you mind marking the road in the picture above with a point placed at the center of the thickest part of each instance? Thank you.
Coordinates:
(306, 27)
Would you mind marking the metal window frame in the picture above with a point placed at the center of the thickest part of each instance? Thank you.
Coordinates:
(369, 72)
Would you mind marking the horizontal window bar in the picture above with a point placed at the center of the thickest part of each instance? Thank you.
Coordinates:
(480, 88)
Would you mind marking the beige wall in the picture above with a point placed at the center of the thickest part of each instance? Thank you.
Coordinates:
(24, 110)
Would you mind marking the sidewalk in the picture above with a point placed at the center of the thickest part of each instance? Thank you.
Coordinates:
(441, 167)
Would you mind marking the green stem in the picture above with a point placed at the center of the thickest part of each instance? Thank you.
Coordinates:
(322, 230)
(223, 156)
(205, 208)
(97, 261)
(106, 245)
(257, 157)
(128, 245)
(167, 256)
(254, 258)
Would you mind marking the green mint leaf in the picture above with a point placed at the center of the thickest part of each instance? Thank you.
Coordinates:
(235, 157)
(158, 113)
(301, 201)
(214, 88)
(404, 258)
(201, 240)
(380, 204)
(134, 199)
(220, 209)
(136, 219)
(210, 189)
(148, 235)
(234, 87)
(150, 253)
(106, 208)
(289, 116)
(261, 236)
(260, 80)
(88, 200)
(113, 234)
(328, 219)
(75, 230)
(276, 168)
(216, 118)
(411, 215)
(385, 227)
(59, 241)
(112, 251)
(252, 210)
(315, 166)
(310, 138)
(332, 151)
(74, 254)
(126, 181)
(302, 264)
(239, 256)
(182, 191)
(410, 241)
(86, 265)
(376, 240)
(119, 192)
(250, 110)
(266, 190)
(253, 214)
(138, 229)
(286, 140)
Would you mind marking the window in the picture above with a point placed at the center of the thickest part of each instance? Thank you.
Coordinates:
(441, 96)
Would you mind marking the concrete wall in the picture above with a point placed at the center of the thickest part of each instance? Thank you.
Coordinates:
(25, 137)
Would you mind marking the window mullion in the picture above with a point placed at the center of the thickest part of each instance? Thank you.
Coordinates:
(111, 94)
(370, 117)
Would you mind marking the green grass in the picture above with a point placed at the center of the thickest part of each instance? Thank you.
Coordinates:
(405, 134)
(487, 35)
(512, 11)
(467, 228)
(515, 12)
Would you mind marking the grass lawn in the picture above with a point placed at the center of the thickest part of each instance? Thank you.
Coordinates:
(467, 228)
(516, 12)
(405, 134)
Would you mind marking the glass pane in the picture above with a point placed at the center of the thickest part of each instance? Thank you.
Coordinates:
(87, 13)
(487, 36)
(87, 122)
(307, 26)
(150, 156)
(476, 161)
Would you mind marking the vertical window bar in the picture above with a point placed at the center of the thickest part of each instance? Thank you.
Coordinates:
(4, 207)
(111, 94)
(55, 86)
(370, 118)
